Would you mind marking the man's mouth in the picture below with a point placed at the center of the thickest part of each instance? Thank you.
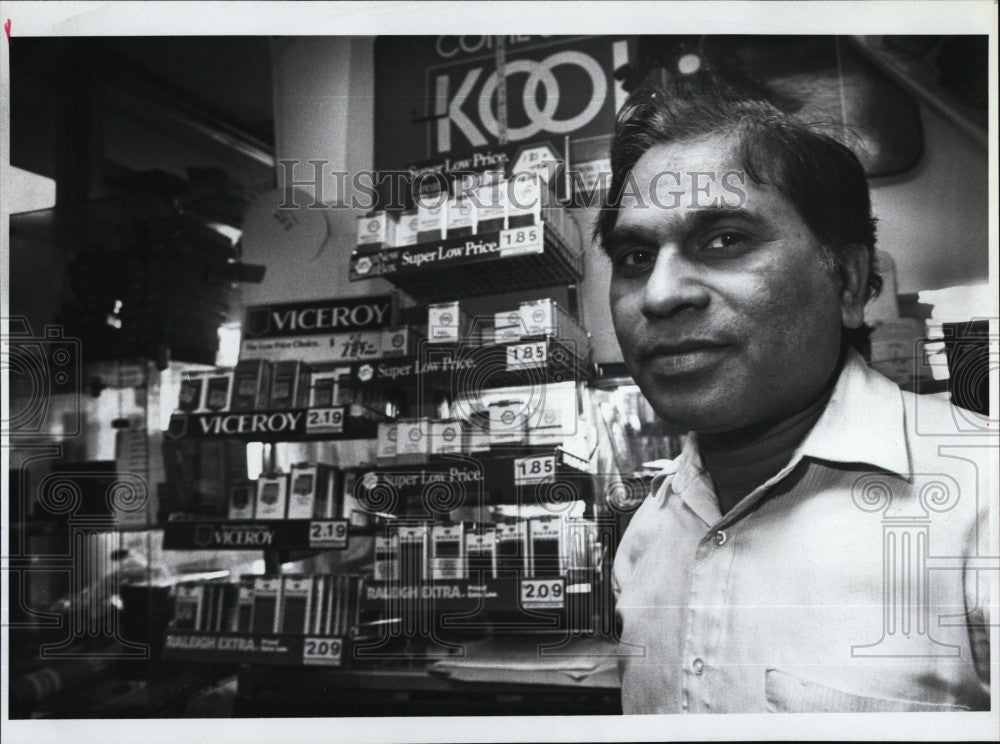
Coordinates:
(684, 357)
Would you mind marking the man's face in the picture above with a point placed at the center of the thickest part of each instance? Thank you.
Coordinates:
(726, 312)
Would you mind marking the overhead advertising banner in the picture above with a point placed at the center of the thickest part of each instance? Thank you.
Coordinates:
(438, 97)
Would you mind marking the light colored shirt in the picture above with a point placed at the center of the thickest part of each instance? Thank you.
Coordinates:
(855, 579)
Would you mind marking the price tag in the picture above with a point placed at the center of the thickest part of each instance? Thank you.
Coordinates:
(325, 420)
(518, 241)
(527, 356)
(328, 534)
(322, 651)
(543, 594)
(534, 469)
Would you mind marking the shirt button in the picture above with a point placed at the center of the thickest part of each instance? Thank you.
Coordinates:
(720, 538)
(698, 665)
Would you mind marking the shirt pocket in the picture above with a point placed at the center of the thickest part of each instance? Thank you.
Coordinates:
(788, 693)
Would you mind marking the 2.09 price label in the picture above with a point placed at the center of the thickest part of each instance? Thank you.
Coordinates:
(545, 594)
(322, 651)
(331, 534)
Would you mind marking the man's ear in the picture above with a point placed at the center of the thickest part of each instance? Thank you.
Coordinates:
(854, 263)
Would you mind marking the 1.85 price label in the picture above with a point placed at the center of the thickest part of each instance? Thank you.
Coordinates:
(322, 651)
(527, 356)
(521, 240)
(534, 469)
(325, 420)
(330, 534)
(545, 594)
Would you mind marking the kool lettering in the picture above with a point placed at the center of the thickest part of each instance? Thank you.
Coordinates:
(250, 423)
(321, 318)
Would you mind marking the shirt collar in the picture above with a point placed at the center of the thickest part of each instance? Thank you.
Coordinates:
(864, 422)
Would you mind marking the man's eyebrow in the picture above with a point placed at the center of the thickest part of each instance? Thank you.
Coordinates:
(690, 222)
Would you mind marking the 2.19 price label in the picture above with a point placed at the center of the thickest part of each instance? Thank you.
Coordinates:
(544, 594)
(330, 534)
(325, 420)
(521, 240)
(527, 356)
(322, 651)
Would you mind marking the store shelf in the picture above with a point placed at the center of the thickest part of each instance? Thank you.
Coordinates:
(460, 368)
(256, 648)
(445, 482)
(277, 425)
(503, 261)
(258, 534)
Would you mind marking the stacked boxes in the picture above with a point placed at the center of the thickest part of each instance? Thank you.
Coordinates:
(309, 491)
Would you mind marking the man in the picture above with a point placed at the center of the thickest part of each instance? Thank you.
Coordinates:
(785, 561)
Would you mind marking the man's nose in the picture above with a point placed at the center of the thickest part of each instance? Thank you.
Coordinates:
(674, 285)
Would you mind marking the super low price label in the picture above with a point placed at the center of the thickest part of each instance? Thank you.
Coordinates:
(322, 651)
(543, 594)
(527, 356)
(518, 241)
(331, 534)
(325, 420)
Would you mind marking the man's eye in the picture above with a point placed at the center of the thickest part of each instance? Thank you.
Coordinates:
(725, 241)
(635, 258)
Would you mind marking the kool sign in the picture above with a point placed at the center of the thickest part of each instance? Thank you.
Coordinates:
(555, 87)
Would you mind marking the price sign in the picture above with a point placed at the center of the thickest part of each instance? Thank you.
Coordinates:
(328, 534)
(518, 241)
(527, 356)
(534, 469)
(543, 594)
(322, 651)
(325, 420)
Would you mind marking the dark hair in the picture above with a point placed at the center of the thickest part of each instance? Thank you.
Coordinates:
(822, 177)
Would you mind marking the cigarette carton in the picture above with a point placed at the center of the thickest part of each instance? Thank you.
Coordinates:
(251, 385)
(272, 497)
(448, 551)
(241, 500)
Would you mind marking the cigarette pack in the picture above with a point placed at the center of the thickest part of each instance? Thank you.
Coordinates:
(241, 500)
(448, 551)
(386, 565)
(192, 387)
(289, 385)
(461, 217)
(189, 606)
(324, 389)
(512, 546)
(266, 604)
(481, 553)
(407, 229)
(412, 439)
(477, 436)
(218, 388)
(508, 423)
(545, 317)
(545, 538)
(414, 543)
(251, 385)
(312, 493)
(351, 508)
(397, 342)
(491, 208)
(432, 217)
(376, 231)
(317, 618)
(507, 327)
(446, 323)
(243, 616)
(272, 496)
(385, 442)
(524, 200)
(296, 604)
(446, 437)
